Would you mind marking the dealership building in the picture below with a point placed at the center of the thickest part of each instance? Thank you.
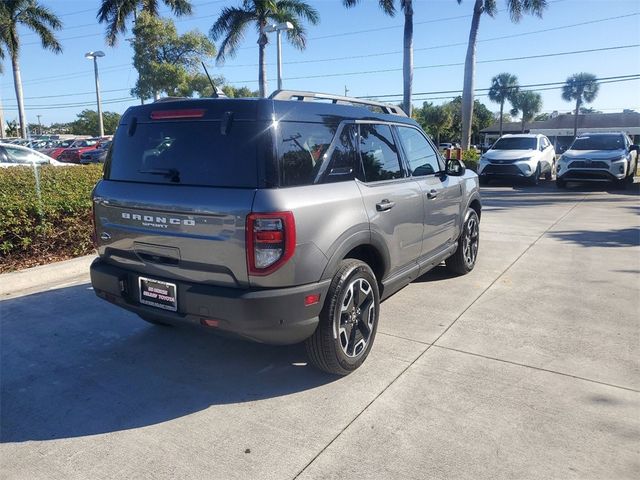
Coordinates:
(559, 128)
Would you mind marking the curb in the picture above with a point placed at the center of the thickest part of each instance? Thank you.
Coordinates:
(44, 275)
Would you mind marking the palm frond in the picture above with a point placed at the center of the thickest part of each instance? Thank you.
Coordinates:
(299, 9)
(231, 24)
(387, 6)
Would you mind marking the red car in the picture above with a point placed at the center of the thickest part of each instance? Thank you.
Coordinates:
(73, 153)
(55, 151)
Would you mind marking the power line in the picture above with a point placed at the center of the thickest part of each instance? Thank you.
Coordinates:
(389, 70)
(434, 47)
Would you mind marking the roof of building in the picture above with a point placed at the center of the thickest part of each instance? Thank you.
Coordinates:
(592, 121)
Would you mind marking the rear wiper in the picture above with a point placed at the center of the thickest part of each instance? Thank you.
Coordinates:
(171, 173)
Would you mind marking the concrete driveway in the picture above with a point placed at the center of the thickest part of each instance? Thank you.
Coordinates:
(529, 367)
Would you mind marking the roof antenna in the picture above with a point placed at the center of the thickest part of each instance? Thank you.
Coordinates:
(217, 93)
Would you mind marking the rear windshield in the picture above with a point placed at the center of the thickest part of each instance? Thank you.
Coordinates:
(186, 153)
(516, 143)
(598, 142)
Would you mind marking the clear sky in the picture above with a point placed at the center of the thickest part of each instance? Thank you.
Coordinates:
(359, 49)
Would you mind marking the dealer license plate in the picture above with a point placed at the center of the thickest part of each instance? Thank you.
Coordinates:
(157, 293)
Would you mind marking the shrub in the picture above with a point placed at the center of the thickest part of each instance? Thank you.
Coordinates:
(54, 224)
(471, 158)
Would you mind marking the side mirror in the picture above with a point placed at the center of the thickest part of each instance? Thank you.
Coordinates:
(455, 168)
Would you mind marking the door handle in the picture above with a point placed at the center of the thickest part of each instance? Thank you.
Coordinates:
(432, 194)
(385, 205)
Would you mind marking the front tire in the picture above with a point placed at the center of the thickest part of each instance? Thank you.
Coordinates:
(560, 183)
(348, 320)
(535, 178)
(463, 261)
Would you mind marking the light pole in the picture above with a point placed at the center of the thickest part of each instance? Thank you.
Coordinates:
(39, 124)
(279, 28)
(95, 56)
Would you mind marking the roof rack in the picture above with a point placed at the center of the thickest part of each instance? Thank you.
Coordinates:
(311, 96)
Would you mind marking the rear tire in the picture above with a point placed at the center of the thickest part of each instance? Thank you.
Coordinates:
(348, 320)
(548, 176)
(463, 261)
(560, 183)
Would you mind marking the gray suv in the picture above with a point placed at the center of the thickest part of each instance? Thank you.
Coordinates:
(278, 220)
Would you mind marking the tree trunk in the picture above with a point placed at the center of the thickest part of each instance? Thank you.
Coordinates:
(438, 138)
(407, 62)
(501, 110)
(1, 120)
(523, 122)
(17, 81)
(262, 66)
(575, 120)
(469, 74)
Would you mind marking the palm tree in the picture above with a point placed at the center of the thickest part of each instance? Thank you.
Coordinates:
(115, 13)
(388, 7)
(503, 87)
(581, 87)
(516, 9)
(33, 16)
(233, 21)
(528, 104)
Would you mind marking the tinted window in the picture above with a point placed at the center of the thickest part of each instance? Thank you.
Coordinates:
(302, 148)
(516, 143)
(185, 152)
(422, 158)
(598, 142)
(379, 153)
(342, 164)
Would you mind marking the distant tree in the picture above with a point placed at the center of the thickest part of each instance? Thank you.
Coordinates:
(588, 110)
(583, 88)
(242, 92)
(388, 7)
(435, 119)
(166, 62)
(233, 21)
(516, 8)
(12, 128)
(15, 17)
(482, 118)
(506, 117)
(115, 13)
(528, 104)
(87, 123)
(504, 87)
(542, 117)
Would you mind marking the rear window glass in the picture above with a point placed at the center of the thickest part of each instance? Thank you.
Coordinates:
(516, 143)
(301, 149)
(186, 153)
(599, 142)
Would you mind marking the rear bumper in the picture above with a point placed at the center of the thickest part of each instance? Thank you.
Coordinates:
(273, 316)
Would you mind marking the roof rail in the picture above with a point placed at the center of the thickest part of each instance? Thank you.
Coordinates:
(311, 96)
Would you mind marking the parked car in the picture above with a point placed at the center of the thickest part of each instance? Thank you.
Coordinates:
(445, 146)
(524, 156)
(73, 153)
(599, 157)
(277, 220)
(58, 148)
(97, 155)
(12, 155)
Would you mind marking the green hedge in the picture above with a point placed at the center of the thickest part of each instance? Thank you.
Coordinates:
(54, 225)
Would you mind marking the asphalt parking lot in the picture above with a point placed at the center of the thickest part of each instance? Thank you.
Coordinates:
(529, 367)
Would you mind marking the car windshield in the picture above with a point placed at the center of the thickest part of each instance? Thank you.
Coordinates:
(516, 143)
(65, 144)
(598, 142)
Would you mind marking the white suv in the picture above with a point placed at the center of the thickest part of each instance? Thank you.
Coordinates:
(518, 156)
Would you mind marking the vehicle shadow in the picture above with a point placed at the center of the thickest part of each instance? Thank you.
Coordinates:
(626, 237)
(73, 366)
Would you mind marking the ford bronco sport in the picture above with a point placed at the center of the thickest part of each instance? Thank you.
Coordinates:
(278, 220)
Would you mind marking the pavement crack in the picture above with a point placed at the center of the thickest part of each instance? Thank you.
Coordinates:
(547, 370)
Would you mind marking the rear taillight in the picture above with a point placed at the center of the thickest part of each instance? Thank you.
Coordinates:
(271, 241)
(175, 114)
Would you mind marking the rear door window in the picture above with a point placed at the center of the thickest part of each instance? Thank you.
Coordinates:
(378, 153)
(186, 153)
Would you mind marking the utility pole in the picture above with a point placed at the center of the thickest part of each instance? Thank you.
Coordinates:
(94, 56)
(39, 124)
(346, 91)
